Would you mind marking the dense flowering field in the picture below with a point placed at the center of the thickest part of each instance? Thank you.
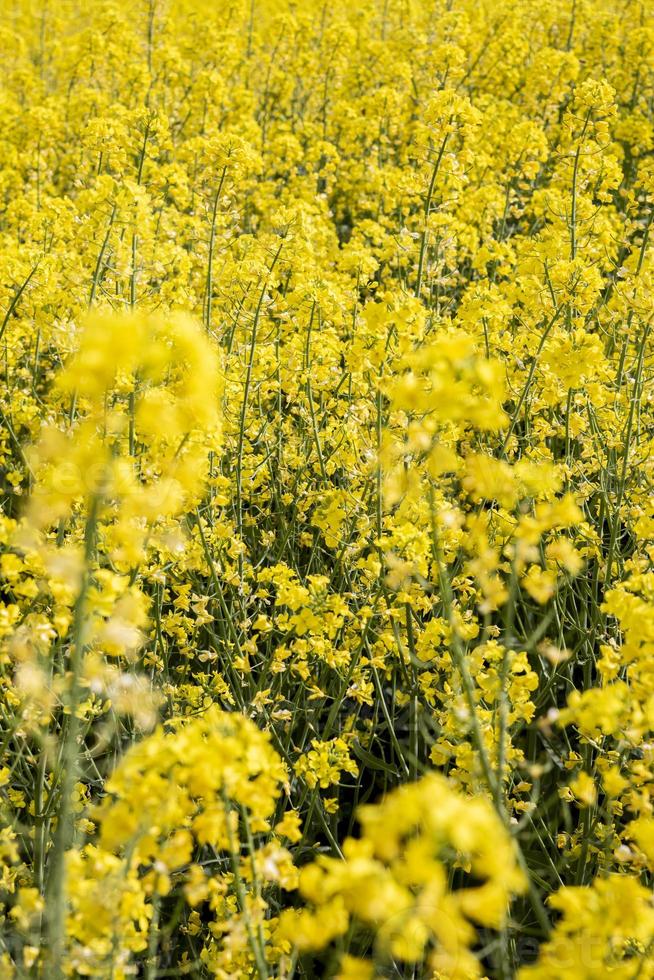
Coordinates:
(327, 458)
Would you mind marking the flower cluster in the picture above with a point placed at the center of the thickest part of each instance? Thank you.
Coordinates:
(394, 879)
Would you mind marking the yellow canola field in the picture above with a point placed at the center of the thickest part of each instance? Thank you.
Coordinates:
(326, 471)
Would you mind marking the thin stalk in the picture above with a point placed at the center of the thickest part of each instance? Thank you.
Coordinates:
(212, 239)
(244, 409)
(427, 209)
(57, 889)
(625, 459)
(257, 950)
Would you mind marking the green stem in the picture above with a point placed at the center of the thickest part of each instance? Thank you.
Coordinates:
(64, 835)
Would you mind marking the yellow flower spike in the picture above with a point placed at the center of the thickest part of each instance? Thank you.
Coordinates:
(395, 877)
(355, 968)
(605, 928)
